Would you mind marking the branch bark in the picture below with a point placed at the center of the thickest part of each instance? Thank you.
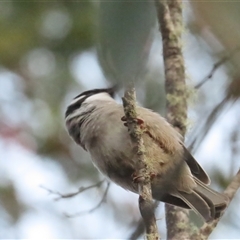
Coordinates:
(146, 204)
(170, 25)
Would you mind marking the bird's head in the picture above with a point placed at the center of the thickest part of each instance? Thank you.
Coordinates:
(88, 97)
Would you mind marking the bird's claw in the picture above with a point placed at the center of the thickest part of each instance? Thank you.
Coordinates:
(124, 119)
(139, 121)
(138, 178)
(152, 175)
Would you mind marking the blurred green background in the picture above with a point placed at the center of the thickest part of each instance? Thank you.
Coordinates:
(50, 52)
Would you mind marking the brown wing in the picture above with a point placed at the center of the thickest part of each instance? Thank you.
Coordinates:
(195, 168)
(160, 130)
(170, 140)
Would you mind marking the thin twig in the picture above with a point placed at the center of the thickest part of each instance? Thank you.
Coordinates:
(216, 66)
(73, 194)
(206, 125)
(103, 199)
(146, 204)
(213, 70)
(230, 192)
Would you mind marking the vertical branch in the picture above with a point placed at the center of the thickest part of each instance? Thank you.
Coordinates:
(170, 25)
(146, 204)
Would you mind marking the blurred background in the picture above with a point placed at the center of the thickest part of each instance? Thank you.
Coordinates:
(50, 52)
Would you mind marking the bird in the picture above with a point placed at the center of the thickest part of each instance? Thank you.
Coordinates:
(94, 120)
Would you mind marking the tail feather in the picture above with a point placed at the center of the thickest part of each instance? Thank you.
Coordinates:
(197, 204)
(219, 200)
(205, 201)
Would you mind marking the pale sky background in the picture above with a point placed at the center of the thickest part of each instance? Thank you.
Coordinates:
(27, 172)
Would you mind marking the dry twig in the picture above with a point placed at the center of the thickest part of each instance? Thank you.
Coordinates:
(103, 199)
(213, 70)
(216, 66)
(73, 194)
(81, 189)
(207, 124)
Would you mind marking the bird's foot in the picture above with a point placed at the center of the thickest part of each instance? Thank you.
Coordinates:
(139, 121)
(152, 175)
(138, 178)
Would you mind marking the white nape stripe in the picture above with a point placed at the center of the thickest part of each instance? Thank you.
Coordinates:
(99, 96)
(96, 97)
(76, 99)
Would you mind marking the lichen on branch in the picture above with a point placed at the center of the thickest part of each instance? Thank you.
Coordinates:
(146, 204)
(169, 15)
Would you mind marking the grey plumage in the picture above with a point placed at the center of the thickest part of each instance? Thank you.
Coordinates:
(93, 120)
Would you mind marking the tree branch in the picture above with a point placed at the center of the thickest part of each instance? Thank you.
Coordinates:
(146, 204)
(171, 29)
(170, 25)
